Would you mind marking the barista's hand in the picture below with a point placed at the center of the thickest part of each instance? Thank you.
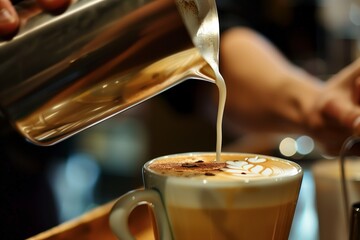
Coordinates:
(10, 19)
(339, 105)
(266, 93)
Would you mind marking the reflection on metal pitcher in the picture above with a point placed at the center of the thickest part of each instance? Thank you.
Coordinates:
(62, 74)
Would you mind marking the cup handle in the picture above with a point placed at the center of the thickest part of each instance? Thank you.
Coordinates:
(123, 207)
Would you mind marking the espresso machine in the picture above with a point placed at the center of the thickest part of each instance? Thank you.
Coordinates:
(62, 74)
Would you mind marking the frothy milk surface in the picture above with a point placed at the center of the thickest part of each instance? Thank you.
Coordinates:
(251, 180)
(231, 167)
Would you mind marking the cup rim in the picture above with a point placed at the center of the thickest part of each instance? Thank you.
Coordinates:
(231, 182)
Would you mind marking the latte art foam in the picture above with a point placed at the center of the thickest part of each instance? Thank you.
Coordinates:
(229, 167)
(251, 167)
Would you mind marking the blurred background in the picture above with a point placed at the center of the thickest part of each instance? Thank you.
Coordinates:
(61, 182)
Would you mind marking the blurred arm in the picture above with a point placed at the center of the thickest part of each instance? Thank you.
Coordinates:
(267, 93)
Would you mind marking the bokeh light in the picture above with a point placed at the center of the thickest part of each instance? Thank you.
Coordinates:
(305, 145)
(287, 147)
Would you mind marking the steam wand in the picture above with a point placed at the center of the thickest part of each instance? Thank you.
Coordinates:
(353, 221)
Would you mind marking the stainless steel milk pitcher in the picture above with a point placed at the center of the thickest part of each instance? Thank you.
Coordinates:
(62, 74)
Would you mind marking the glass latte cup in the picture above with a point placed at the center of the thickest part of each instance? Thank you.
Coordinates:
(193, 196)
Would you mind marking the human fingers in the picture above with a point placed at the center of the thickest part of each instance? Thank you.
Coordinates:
(345, 112)
(9, 20)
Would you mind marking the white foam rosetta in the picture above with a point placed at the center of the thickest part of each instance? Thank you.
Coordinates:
(253, 166)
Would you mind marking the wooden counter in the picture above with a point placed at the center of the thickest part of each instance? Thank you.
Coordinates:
(94, 225)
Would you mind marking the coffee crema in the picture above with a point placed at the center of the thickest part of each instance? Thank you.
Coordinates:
(231, 166)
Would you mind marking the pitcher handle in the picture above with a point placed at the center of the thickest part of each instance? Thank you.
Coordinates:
(123, 207)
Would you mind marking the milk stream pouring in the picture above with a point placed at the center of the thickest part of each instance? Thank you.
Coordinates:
(62, 74)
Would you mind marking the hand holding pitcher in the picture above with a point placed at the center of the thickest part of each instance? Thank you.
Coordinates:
(10, 19)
